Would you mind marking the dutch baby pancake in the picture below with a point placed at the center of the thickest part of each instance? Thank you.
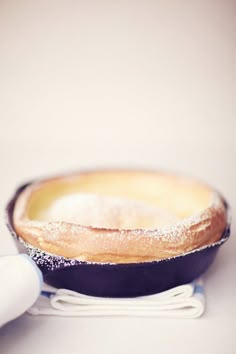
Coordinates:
(119, 216)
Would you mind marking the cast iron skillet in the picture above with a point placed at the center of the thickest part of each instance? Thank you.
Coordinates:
(117, 280)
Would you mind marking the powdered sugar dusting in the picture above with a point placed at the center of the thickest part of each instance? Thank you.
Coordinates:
(106, 212)
(181, 229)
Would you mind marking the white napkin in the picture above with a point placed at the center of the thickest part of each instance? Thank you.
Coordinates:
(184, 301)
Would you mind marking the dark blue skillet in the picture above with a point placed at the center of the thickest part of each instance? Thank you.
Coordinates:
(117, 280)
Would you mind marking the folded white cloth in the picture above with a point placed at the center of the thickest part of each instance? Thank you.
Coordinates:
(184, 301)
(21, 283)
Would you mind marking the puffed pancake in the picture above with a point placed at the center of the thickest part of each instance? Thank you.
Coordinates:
(119, 216)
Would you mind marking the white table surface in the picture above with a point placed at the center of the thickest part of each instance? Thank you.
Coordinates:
(113, 83)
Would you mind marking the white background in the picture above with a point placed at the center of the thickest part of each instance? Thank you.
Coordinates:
(121, 83)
